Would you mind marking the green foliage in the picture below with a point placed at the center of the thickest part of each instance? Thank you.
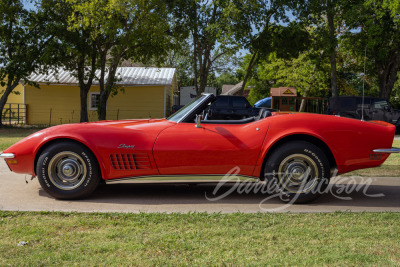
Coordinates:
(260, 30)
(260, 88)
(226, 78)
(393, 6)
(212, 35)
(23, 45)
(308, 76)
(179, 57)
(74, 49)
(301, 72)
(373, 27)
(122, 30)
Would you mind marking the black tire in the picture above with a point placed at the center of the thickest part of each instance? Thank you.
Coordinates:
(67, 170)
(297, 171)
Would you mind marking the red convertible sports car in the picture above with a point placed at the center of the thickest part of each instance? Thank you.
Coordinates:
(296, 152)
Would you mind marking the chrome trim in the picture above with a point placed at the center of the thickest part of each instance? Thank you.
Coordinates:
(191, 110)
(7, 155)
(387, 150)
(210, 178)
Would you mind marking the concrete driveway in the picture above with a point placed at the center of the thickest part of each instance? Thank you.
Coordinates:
(364, 194)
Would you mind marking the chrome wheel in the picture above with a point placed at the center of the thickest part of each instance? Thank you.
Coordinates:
(298, 173)
(67, 170)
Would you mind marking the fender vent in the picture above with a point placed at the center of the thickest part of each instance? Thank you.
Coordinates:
(139, 161)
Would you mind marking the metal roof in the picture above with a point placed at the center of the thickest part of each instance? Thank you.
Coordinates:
(233, 89)
(125, 76)
(226, 88)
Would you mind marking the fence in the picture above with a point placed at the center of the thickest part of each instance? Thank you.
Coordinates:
(312, 104)
(14, 113)
(57, 115)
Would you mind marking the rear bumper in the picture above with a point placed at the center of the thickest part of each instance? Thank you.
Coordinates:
(387, 150)
(7, 155)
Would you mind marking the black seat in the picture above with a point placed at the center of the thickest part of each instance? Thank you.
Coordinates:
(263, 113)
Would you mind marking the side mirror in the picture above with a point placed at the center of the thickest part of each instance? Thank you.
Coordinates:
(198, 119)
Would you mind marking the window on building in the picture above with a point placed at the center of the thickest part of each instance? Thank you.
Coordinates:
(94, 99)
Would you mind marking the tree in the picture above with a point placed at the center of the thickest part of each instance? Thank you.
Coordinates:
(308, 76)
(23, 46)
(122, 30)
(326, 17)
(211, 35)
(393, 6)
(179, 58)
(375, 31)
(226, 78)
(259, 30)
(74, 50)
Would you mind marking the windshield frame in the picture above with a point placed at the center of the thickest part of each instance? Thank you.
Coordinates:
(189, 108)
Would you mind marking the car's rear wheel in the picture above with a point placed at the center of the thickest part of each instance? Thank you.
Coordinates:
(67, 170)
(298, 172)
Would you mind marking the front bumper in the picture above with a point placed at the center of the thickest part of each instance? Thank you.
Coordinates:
(7, 155)
(387, 150)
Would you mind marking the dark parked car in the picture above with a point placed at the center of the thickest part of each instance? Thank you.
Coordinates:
(230, 108)
(374, 109)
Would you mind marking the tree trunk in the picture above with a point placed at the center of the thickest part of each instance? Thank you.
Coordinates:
(387, 74)
(102, 112)
(3, 100)
(252, 63)
(332, 56)
(334, 88)
(203, 77)
(107, 86)
(303, 101)
(84, 88)
(101, 109)
(84, 112)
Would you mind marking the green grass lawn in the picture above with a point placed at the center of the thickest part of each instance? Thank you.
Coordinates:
(66, 239)
(390, 168)
(11, 135)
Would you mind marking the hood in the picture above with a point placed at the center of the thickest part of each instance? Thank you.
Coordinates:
(145, 126)
(129, 124)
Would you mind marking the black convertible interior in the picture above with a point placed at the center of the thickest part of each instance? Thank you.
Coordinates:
(228, 110)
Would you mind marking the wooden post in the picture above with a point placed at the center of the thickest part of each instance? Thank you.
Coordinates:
(25, 113)
(9, 118)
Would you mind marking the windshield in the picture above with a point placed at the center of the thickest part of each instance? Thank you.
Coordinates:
(177, 116)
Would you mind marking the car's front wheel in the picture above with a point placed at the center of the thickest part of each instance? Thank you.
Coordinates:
(67, 170)
(297, 171)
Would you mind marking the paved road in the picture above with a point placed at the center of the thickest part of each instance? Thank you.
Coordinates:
(15, 194)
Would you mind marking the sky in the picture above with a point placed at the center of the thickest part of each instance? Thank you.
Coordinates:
(28, 4)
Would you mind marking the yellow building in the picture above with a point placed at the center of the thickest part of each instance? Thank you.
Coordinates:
(146, 93)
(17, 95)
(14, 110)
